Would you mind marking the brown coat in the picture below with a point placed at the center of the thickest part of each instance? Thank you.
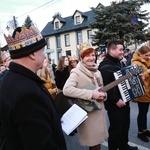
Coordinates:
(139, 61)
(94, 130)
(50, 86)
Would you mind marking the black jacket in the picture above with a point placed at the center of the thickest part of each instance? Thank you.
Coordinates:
(107, 67)
(28, 115)
(2, 74)
(61, 77)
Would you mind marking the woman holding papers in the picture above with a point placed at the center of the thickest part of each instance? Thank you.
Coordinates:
(93, 131)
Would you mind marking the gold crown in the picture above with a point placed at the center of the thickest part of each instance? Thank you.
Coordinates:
(84, 46)
(24, 38)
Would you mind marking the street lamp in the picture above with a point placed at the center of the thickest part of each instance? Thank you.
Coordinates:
(7, 27)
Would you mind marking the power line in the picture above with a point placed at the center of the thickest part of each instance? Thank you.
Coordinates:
(36, 8)
(31, 10)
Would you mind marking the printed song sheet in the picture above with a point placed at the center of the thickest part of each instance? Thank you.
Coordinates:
(72, 118)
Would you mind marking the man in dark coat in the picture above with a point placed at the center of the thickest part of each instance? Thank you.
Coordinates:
(118, 110)
(27, 111)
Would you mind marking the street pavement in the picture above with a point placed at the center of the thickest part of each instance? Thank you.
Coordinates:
(73, 142)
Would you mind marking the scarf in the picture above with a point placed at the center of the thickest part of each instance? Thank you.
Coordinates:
(91, 72)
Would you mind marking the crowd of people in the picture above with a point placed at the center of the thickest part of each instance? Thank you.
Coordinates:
(29, 84)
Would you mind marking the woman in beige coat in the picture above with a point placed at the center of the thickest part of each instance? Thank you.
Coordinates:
(93, 131)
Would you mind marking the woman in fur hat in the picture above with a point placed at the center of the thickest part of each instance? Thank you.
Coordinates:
(73, 61)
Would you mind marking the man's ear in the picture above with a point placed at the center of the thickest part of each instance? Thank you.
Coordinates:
(32, 56)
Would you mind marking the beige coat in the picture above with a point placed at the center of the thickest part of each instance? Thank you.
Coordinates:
(94, 130)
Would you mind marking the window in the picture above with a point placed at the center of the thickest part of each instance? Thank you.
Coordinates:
(57, 25)
(77, 19)
(89, 34)
(67, 40)
(58, 42)
(59, 55)
(48, 43)
(68, 53)
(79, 37)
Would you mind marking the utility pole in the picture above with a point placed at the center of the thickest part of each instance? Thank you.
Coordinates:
(15, 22)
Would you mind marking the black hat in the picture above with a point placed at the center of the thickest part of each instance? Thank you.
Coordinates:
(126, 50)
(24, 42)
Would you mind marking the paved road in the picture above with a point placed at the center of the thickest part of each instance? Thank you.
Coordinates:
(73, 143)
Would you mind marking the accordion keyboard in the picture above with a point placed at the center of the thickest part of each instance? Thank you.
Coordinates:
(132, 87)
(123, 88)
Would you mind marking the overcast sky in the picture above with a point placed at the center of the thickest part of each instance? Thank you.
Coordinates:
(42, 11)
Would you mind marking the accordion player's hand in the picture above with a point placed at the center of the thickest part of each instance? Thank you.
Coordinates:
(142, 77)
(120, 103)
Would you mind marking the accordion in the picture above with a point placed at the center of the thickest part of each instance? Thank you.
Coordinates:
(132, 87)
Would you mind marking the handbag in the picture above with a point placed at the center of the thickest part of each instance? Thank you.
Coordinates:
(87, 105)
(63, 103)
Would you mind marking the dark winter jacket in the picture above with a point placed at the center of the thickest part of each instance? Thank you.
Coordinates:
(61, 77)
(28, 115)
(2, 74)
(107, 67)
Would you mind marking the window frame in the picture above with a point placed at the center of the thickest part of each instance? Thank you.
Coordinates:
(58, 42)
(78, 19)
(57, 25)
(67, 40)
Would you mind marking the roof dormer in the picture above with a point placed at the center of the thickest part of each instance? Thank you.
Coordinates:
(78, 17)
(58, 22)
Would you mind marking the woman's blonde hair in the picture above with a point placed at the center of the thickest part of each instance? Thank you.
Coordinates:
(44, 74)
(143, 50)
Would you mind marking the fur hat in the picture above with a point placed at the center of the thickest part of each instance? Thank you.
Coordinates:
(4, 55)
(83, 47)
(24, 42)
(72, 57)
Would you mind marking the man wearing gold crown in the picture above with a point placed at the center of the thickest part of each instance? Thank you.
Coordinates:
(28, 115)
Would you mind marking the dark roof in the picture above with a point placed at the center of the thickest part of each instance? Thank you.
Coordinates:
(60, 19)
(68, 24)
(82, 14)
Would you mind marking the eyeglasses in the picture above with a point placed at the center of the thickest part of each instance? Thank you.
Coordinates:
(72, 62)
(148, 55)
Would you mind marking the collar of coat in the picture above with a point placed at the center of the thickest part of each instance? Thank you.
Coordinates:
(14, 67)
(138, 58)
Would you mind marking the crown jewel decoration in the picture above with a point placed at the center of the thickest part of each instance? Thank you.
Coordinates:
(24, 38)
(84, 46)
